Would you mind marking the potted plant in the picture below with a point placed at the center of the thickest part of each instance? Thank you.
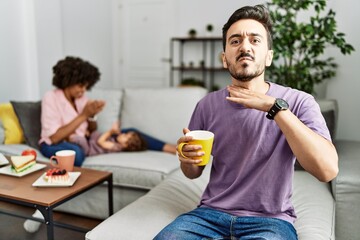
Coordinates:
(209, 29)
(299, 46)
(192, 33)
(191, 82)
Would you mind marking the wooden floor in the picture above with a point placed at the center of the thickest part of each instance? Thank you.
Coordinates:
(11, 228)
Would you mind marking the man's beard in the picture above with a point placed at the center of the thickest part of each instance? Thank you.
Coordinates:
(244, 75)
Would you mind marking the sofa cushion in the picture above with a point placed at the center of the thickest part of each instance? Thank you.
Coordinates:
(346, 190)
(160, 112)
(314, 207)
(329, 109)
(330, 121)
(2, 133)
(111, 111)
(29, 114)
(16, 149)
(144, 169)
(145, 217)
(13, 131)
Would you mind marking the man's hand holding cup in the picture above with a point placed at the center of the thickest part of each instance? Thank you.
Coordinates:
(195, 147)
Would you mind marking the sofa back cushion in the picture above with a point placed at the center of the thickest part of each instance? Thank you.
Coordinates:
(28, 114)
(2, 133)
(160, 112)
(13, 133)
(111, 111)
(329, 109)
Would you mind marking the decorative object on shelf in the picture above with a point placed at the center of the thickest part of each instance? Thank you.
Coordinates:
(209, 29)
(299, 46)
(192, 82)
(206, 65)
(192, 33)
(215, 87)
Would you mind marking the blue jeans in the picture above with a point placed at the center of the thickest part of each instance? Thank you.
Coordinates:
(50, 150)
(206, 223)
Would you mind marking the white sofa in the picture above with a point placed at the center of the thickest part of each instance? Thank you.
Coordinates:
(160, 112)
(150, 190)
(144, 218)
(325, 210)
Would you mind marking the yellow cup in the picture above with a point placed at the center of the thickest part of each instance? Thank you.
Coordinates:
(203, 138)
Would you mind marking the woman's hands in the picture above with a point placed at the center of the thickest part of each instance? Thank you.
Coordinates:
(93, 107)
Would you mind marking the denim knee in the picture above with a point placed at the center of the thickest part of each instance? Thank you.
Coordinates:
(79, 156)
(49, 150)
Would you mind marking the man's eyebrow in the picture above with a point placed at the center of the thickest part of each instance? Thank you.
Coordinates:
(237, 35)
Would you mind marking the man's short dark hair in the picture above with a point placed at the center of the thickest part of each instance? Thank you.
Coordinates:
(258, 13)
(72, 71)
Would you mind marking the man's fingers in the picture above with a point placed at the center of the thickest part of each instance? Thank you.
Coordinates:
(189, 160)
(185, 130)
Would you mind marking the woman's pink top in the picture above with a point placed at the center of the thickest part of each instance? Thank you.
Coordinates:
(57, 111)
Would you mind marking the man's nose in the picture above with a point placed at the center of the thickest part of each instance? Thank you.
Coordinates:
(245, 46)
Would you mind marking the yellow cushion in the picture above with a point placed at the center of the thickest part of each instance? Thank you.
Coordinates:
(10, 122)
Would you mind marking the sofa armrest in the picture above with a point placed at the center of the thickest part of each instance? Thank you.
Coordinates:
(330, 109)
(346, 190)
(145, 217)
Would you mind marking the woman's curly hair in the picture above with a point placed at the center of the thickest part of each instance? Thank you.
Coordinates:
(72, 71)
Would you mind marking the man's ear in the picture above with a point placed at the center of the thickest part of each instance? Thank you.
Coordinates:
(269, 58)
(224, 60)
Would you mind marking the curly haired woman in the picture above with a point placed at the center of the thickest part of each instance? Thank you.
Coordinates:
(66, 111)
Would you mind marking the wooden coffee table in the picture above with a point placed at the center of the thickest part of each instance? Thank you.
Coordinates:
(19, 190)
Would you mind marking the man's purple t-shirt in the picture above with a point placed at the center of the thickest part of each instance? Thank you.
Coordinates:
(253, 165)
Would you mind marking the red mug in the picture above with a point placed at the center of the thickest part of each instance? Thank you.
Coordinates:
(64, 159)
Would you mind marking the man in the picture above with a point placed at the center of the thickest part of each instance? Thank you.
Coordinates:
(260, 129)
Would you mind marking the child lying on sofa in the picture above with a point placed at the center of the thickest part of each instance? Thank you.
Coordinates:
(114, 140)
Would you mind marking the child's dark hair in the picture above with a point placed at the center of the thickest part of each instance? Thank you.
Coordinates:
(258, 13)
(72, 71)
(135, 143)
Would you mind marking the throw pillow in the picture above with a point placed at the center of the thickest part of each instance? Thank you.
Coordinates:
(112, 109)
(29, 114)
(12, 128)
(329, 117)
(2, 133)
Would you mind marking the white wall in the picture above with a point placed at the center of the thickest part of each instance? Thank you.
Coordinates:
(18, 75)
(345, 86)
(74, 28)
(49, 40)
(35, 34)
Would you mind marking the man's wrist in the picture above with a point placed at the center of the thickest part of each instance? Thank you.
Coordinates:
(279, 105)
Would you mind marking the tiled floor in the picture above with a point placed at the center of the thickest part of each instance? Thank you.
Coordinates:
(11, 228)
